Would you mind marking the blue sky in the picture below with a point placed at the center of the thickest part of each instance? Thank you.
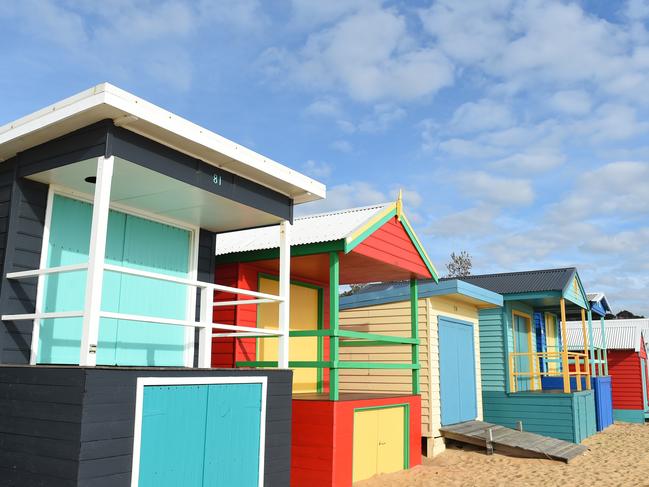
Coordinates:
(517, 130)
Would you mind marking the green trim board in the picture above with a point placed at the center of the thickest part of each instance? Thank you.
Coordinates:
(414, 332)
(304, 333)
(422, 252)
(334, 323)
(406, 428)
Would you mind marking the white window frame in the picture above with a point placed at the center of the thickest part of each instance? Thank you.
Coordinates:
(190, 314)
(142, 382)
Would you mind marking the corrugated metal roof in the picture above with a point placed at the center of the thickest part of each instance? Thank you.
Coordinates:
(525, 281)
(323, 227)
(620, 334)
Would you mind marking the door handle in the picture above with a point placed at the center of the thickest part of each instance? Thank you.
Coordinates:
(381, 443)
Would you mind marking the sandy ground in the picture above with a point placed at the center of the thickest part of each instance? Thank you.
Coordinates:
(618, 456)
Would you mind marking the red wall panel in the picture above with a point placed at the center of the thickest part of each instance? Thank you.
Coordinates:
(624, 369)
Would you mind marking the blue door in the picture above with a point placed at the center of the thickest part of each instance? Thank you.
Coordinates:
(131, 242)
(456, 371)
(201, 435)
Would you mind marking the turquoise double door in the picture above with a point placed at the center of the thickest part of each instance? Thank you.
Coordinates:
(132, 242)
(201, 435)
(457, 371)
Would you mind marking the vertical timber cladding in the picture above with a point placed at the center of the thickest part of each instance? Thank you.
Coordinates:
(74, 426)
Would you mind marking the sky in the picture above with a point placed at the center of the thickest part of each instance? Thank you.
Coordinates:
(518, 130)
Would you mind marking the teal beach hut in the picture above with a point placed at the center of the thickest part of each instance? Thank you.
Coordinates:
(516, 366)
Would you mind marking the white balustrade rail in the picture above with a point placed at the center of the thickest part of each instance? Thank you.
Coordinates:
(206, 304)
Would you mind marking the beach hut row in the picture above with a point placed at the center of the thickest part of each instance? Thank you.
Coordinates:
(167, 320)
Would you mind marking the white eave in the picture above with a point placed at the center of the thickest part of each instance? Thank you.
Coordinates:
(106, 101)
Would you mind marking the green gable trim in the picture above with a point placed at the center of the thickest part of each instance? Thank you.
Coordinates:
(422, 253)
(269, 254)
(349, 246)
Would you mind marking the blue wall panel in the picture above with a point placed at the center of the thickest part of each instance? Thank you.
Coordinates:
(457, 371)
(603, 402)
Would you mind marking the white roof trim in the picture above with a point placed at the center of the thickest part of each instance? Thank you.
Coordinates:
(138, 115)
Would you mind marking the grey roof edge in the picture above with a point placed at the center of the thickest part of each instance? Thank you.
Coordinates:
(401, 292)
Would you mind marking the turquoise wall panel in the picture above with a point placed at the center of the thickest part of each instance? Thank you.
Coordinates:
(585, 418)
(201, 435)
(629, 415)
(493, 367)
(233, 429)
(457, 371)
(131, 242)
(60, 338)
(154, 247)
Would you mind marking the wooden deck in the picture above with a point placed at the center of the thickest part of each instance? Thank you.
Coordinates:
(512, 442)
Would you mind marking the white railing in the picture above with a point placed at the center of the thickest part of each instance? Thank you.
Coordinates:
(206, 304)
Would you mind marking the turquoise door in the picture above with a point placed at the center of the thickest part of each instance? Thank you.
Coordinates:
(522, 328)
(201, 435)
(457, 371)
(131, 242)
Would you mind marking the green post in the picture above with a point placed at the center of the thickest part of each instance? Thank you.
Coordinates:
(334, 279)
(605, 349)
(414, 331)
(593, 370)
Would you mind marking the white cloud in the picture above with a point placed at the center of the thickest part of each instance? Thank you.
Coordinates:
(343, 146)
(369, 55)
(612, 122)
(127, 40)
(618, 189)
(325, 107)
(481, 115)
(572, 102)
(317, 170)
(531, 161)
(484, 187)
(383, 116)
(341, 196)
(469, 223)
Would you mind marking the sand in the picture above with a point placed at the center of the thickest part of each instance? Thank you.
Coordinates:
(617, 456)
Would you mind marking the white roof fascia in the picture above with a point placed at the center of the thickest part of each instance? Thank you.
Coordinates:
(244, 162)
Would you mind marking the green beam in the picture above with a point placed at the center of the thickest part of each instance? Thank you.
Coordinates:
(375, 365)
(309, 333)
(367, 343)
(334, 280)
(375, 336)
(414, 330)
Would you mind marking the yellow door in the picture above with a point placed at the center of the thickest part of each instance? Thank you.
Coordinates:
(303, 316)
(551, 342)
(378, 445)
(391, 440)
(366, 444)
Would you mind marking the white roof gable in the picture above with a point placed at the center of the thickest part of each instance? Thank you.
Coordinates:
(106, 101)
(324, 227)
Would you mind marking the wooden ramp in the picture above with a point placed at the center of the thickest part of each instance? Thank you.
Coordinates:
(512, 442)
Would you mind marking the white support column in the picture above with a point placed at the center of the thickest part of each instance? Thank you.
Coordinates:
(205, 334)
(284, 292)
(96, 257)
